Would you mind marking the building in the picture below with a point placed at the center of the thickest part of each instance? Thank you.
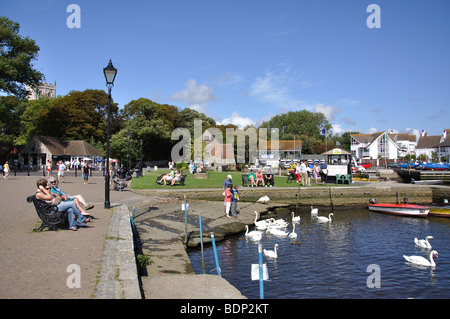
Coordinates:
(279, 149)
(382, 145)
(41, 149)
(438, 144)
(45, 89)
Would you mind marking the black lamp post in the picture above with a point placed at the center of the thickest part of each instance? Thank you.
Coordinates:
(110, 74)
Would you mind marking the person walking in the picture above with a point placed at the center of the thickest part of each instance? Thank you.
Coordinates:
(228, 196)
(61, 169)
(6, 170)
(86, 171)
(234, 200)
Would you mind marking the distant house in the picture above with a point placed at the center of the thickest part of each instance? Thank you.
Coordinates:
(429, 144)
(281, 149)
(382, 145)
(40, 149)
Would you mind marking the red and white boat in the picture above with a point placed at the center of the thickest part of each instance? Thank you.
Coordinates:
(403, 209)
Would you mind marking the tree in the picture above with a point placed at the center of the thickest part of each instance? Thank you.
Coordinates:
(17, 54)
(11, 109)
(29, 119)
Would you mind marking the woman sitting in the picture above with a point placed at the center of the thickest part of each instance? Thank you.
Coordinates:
(74, 216)
(176, 178)
(167, 178)
(251, 177)
(259, 178)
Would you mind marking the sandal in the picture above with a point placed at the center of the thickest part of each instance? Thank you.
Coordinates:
(74, 228)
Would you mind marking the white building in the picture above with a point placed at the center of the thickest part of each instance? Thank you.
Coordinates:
(382, 145)
(429, 144)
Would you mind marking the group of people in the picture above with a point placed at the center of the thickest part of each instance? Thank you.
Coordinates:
(172, 177)
(257, 178)
(231, 197)
(302, 176)
(61, 167)
(74, 206)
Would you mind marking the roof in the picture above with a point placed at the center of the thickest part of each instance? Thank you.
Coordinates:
(428, 141)
(283, 145)
(65, 148)
(369, 138)
(337, 151)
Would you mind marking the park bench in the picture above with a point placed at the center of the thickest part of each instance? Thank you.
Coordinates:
(49, 214)
(180, 182)
(245, 180)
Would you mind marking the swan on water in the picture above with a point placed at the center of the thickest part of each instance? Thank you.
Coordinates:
(295, 219)
(276, 232)
(325, 219)
(293, 235)
(262, 224)
(423, 243)
(314, 211)
(419, 260)
(253, 235)
(271, 253)
(264, 199)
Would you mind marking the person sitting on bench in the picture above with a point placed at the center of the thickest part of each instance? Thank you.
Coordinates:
(82, 205)
(259, 178)
(176, 178)
(251, 177)
(269, 180)
(167, 177)
(74, 216)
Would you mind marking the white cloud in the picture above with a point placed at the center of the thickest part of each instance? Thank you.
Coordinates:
(275, 89)
(237, 120)
(329, 111)
(414, 131)
(195, 94)
(372, 130)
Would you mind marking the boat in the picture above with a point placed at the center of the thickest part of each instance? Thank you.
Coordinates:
(402, 209)
(442, 211)
(437, 166)
(427, 182)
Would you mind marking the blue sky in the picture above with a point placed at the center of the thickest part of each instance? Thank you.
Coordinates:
(242, 62)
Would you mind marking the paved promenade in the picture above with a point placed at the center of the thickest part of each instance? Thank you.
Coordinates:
(38, 264)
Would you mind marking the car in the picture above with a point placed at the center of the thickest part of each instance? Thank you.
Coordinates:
(366, 165)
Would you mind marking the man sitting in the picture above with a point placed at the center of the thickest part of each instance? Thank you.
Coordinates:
(167, 178)
(78, 199)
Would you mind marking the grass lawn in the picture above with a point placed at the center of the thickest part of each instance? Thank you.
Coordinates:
(215, 180)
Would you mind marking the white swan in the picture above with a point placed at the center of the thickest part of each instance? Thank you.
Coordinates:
(325, 219)
(262, 224)
(423, 243)
(295, 219)
(419, 260)
(271, 253)
(253, 235)
(314, 211)
(276, 232)
(264, 199)
(293, 235)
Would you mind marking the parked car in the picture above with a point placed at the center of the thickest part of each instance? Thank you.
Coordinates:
(366, 165)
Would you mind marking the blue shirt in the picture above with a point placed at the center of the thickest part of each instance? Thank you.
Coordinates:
(226, 183)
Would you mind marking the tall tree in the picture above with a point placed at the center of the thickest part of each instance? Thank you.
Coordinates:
(17, 54)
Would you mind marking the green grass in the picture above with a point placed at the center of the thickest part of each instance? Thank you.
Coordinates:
(215, 180)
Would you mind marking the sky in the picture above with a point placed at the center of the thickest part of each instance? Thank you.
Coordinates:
(242, 62)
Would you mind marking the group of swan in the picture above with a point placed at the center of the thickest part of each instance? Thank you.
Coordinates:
(419, 260)
(315, 212)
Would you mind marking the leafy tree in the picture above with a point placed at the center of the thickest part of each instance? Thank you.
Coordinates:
(17, 54)
(29, 119)
(188, 117)
(11, 108)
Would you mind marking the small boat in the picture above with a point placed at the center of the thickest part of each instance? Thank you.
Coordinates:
(427, 182)
(403, 209)
(440, 211)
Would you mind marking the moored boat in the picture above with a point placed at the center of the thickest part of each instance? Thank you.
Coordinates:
(403, 209)
(443, 211)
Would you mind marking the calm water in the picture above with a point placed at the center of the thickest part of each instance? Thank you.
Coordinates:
(332, 259)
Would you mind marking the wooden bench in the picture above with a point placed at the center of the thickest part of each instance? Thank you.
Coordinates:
(49, 214)
(180, 182)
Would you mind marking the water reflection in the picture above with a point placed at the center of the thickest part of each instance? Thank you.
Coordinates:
(332, 258)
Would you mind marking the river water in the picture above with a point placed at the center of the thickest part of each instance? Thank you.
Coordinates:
(357, 255)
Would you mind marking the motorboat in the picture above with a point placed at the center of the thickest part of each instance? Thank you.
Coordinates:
(402, 209)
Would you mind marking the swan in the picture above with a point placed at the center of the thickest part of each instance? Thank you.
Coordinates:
(253, 235)
(423, 243)
(261, 223)
(419, 260)
(276, 232)
(314, 211)
(293, 234)
(264, 199)
(325, 219)
(271, 253)
(295, 219)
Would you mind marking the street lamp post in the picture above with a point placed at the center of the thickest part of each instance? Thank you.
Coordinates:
(110, 74)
